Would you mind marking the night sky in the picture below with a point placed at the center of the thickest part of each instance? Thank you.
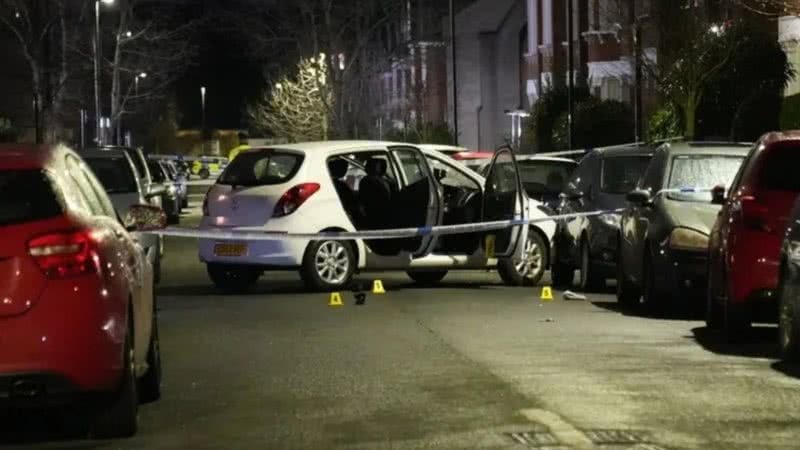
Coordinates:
(230, 75)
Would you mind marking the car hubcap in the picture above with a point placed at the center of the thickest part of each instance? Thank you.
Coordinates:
(332, 262)
(531, 263)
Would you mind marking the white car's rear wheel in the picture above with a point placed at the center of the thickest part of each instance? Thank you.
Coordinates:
(528, 270)
(328, 265)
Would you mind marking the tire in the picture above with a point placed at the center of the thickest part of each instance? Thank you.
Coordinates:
(150, 383)
(653, 301)
(157, 270)
(328, 265)
(736, 323)
(628, 294)
(590, 280)
(715, 314)
(231, 278)
(427, 278)
(120, 418)
(204, 174)
(788, 325)
(530, 269)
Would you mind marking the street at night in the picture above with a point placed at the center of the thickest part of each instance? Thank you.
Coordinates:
(470, 364)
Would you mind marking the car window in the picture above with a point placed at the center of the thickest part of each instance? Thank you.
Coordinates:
(411, 164)
(156, 172)
(582, 176)
(540, 177)
(357, 167)
(621, 174)
(115, 174)
(136, 157)
(450, 176)
(702, 172)
(652, 178)
(35, 197)
(84, 188)
(261, 167)
(106, 207)
(779, 168)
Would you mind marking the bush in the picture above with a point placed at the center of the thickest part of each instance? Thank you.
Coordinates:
(422, 134)
(790, 113)
(597, 123)
(664, 124)
(546, 113)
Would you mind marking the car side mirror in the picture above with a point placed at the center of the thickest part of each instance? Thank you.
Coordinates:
(639, 197)
(718, 195)
(145, 218)
(156, 190)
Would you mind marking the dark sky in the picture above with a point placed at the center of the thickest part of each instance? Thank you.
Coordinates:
(230, 77)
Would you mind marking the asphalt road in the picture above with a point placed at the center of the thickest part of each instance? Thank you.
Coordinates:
(468, 365)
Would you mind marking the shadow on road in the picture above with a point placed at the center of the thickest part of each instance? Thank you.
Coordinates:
(678, 315)
(35, 427)
(760, 342)
(787, 368)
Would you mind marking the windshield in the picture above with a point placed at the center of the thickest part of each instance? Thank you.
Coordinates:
(261, 167)
(701, 172)
(114, 173)
(621, 173)
(544, 178)
(33, 198)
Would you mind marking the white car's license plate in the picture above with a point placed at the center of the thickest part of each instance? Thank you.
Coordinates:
(230, 249)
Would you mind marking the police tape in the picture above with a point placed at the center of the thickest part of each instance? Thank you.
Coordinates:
(255, 234)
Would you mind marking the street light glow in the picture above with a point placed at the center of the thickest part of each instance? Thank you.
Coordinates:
(143, 75)
(107, 2)
(128, 33)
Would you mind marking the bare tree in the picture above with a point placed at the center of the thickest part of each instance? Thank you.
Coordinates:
(149, 54)
(346, 31)
(296, 107)
(45, 33)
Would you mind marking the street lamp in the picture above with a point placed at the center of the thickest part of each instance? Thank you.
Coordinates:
(136, 81)
(203, 107)
(97, 50)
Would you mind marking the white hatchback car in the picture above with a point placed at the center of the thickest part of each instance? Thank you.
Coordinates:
(362, 185)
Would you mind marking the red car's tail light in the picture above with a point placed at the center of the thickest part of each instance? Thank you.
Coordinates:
(293, 198)
(64, 254)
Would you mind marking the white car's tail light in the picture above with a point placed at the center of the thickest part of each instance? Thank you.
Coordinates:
(293, 198)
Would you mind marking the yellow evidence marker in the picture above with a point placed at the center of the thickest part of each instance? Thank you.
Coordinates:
(336, 299)
(377, 287)
(489, 246)
(547, 294)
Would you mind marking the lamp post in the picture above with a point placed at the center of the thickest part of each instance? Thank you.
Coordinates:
(136, 81)
(97, 51)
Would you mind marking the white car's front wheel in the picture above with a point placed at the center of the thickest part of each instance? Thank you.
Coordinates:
(528, 270)
(328, 265)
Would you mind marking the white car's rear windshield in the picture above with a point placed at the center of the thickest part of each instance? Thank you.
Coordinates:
(261, 167)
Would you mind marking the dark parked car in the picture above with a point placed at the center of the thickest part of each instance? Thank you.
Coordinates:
(746, 239)
(789, 289)
(665, 229)
(169, 199)
(601, 181)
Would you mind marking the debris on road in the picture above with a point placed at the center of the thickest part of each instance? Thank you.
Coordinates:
(569, 295)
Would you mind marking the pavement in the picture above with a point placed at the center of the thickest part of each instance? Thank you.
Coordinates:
(470, 364)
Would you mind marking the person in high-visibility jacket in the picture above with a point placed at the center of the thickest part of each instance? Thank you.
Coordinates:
(243, 145)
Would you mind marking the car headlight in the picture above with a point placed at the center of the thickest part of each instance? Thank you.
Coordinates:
(686, 239)
(611, 219)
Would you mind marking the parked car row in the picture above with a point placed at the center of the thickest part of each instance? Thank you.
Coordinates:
(706, 226)
(78, 319)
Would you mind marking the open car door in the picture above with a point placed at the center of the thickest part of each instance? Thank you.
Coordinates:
(504, 199)
(418, 203)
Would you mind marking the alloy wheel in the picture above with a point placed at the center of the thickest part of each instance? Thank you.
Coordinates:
(332, 262)
(531, 262)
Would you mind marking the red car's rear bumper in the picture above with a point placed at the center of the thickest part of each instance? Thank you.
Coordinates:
(72, 338)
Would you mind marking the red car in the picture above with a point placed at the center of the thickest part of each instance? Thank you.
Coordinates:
(744, 246)
(77, 318)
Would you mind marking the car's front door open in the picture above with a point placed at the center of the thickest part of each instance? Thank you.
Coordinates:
(504, 199)
(418, 203)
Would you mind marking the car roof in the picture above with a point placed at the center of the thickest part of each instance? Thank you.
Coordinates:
(441, 148)
(328, 147)
(15, 156)
(707, 148)
(102, 153)
(625, 149)
(780, 136)
(546, 158)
